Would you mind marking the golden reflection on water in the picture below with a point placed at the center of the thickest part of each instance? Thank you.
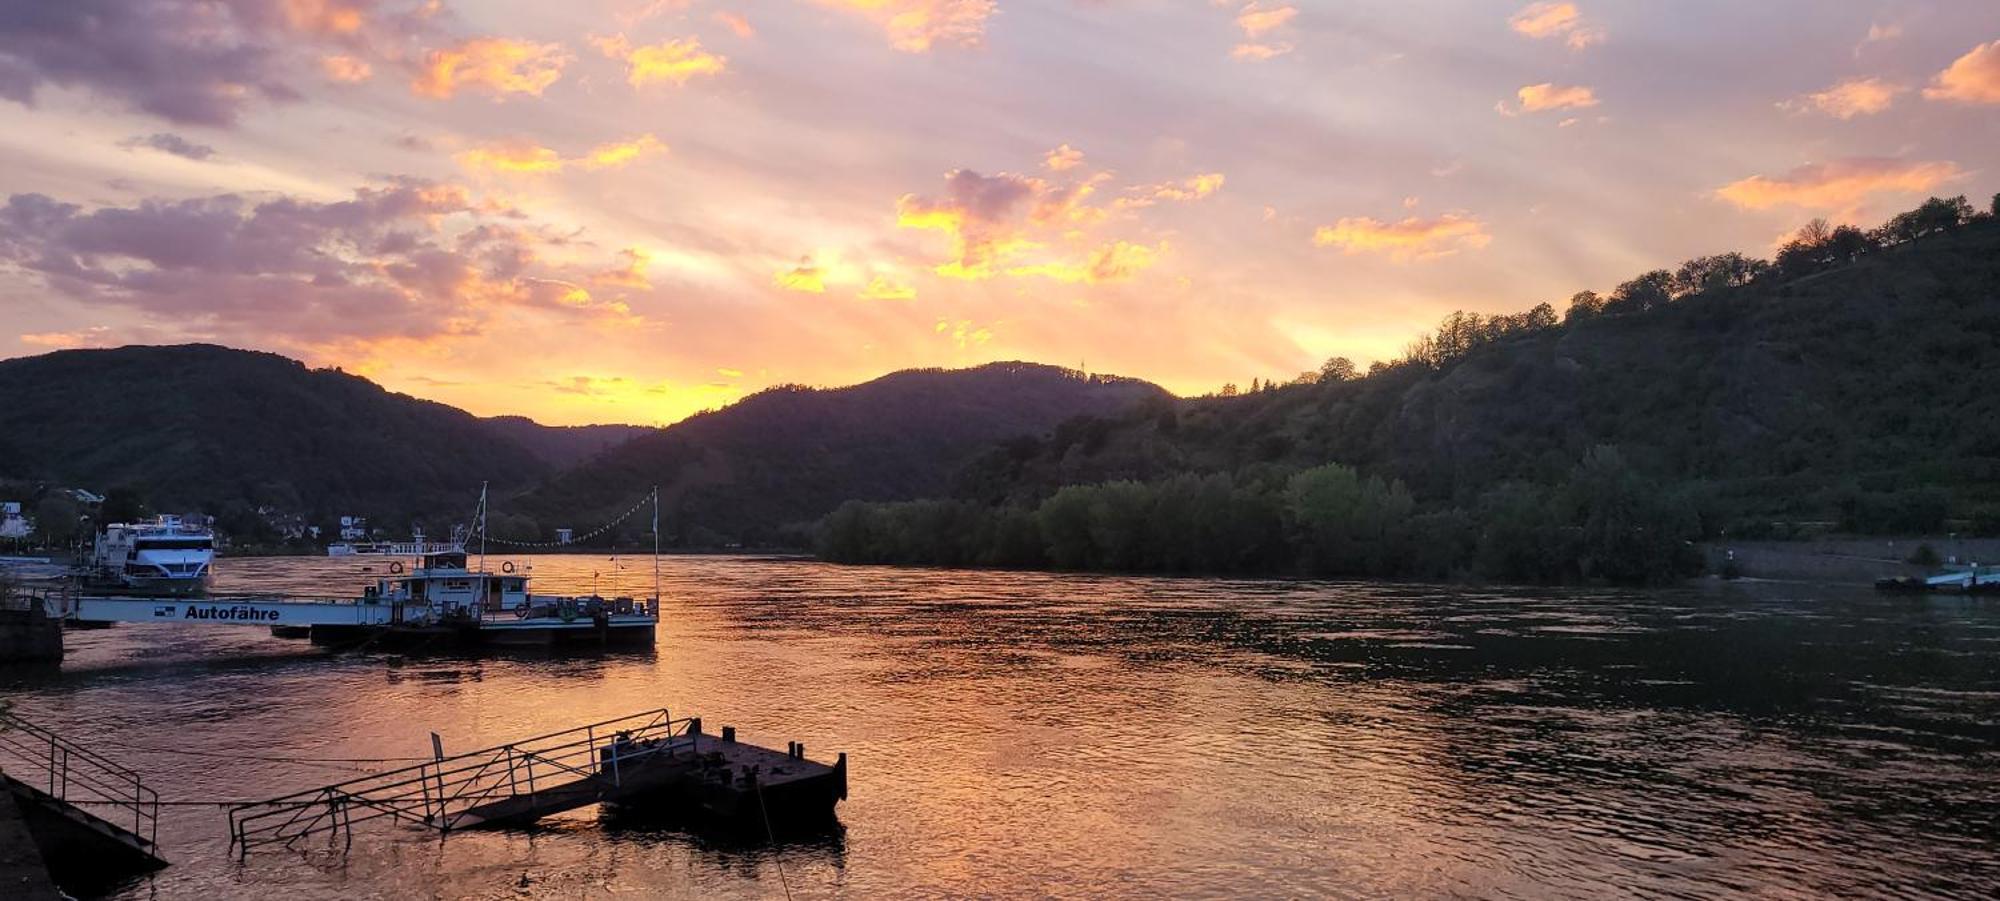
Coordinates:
(1073, 736)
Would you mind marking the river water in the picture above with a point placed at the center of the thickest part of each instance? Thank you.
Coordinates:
(1097, 736)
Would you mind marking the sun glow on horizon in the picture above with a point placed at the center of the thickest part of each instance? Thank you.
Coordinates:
(603, 215)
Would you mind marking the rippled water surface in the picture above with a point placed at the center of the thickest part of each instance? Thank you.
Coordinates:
(1088, 737)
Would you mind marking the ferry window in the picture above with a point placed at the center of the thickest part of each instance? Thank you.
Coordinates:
(191, 544)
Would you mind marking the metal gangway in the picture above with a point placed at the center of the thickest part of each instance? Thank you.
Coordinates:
(79, 782)
(511, 783)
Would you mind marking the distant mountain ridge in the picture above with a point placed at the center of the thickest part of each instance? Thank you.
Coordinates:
(787, 455)
(214, 429)
(563, 446)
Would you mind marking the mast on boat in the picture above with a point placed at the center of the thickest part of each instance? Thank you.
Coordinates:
(656, 544)
(482, 526)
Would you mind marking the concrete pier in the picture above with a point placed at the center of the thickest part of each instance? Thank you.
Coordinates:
(22, 874)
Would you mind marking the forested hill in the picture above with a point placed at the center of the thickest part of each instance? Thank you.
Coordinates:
(1851, 384)
(223, 431)
(787, 455)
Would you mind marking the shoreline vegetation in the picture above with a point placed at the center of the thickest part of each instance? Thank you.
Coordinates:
(1555, 502)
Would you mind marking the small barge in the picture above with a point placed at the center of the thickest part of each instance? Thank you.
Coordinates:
(1967, 579)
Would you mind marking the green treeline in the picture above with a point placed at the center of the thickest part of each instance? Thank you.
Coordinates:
(1851, 384)
(1605, 521)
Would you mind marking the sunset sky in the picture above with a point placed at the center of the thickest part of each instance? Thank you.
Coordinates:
(632, 210)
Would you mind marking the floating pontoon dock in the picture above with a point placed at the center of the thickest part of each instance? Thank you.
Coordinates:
(648, 761)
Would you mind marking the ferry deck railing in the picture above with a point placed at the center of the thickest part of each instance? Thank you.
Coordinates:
(75, 775)
(441, 793)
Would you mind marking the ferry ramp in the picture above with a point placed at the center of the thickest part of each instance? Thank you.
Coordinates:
(513, 783)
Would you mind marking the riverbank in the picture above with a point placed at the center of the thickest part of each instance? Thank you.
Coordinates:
(1848, 560)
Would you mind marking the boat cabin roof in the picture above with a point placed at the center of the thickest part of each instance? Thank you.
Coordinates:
(442, 560)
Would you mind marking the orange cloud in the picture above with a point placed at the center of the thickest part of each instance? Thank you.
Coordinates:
(736, 23)
(917, 26)
(1114, 262)
(1259, 52)
(675, 60)
(1063, 158)
(522, 156)
(1972, 78)
(345, 68)
(882, 287)
(94, 336)
(619, 153)
(981, 213)
(1258, 20)
(1195, 188)
(325, 17)
(1851, 98)
(630, 274)
(1556, 20)
(1414, 238)
(501, 66)
(1255, 20)
(514, 155)
(1840, 185)
(1537, 98)
(805, 277)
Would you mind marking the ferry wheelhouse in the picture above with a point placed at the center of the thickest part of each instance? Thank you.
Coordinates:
(442, 591)
(165, 556)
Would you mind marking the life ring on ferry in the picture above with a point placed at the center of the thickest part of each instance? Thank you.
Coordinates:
(396, 566)
(507, 567)
(522, 611)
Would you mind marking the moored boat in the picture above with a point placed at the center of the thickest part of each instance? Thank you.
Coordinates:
(163, 557)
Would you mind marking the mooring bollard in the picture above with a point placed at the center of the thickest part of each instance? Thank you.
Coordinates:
(729, 733)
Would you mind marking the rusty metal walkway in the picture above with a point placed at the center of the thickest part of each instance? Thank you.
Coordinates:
(509, 784)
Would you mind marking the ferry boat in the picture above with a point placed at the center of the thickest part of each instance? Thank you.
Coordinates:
(439, 600)
(162, 557)
(415, 547)
(442, 594)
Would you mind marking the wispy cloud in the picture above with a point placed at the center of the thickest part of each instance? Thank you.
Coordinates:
(1839, 185)
(1556, 21)
(346, 69)
(1850, 98)
(1414, 238)
(1536, 98)
(805, 277)
(1259, 22)
(918, 26)
(1063, 158)
(674, 61)
(170, 143)
(523, 156)
(497, 66)
(1972, 78)
(736, 23)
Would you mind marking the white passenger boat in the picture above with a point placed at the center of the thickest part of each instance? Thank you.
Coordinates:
(162, 557)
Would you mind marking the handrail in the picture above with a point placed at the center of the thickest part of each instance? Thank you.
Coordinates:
(440, 793)
(76, 775)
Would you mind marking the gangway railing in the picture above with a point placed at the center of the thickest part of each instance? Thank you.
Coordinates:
(74, 775)
(442, 793)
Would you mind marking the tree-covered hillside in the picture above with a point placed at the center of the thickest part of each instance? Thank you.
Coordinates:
(1853, 383)
(222, 431)
(788, 455)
